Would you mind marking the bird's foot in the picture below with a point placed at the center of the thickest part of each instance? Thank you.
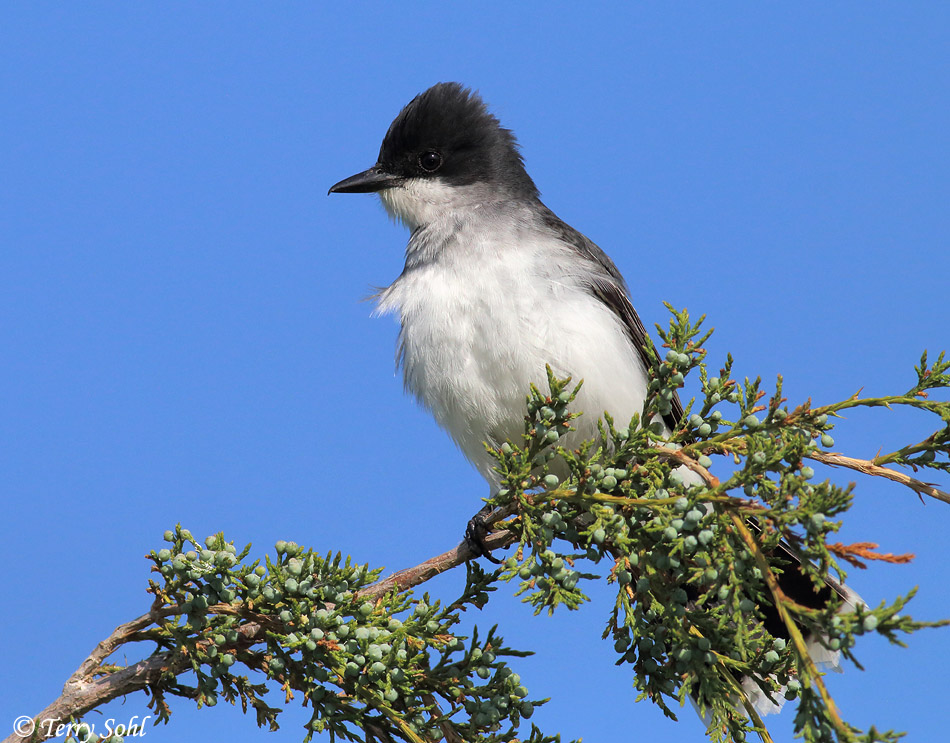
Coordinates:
(475, 535)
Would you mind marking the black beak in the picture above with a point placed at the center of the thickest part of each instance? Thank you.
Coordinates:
(369, 181)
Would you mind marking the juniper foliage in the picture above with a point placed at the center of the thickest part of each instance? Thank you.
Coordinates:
(693, 565)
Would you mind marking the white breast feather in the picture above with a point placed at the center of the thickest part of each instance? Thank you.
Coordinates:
(473, 337)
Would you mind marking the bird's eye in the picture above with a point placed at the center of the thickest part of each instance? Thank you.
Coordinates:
(430, 161)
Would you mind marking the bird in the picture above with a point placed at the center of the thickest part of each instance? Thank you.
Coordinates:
(496, 288)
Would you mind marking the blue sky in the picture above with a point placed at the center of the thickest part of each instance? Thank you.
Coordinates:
(181, 319)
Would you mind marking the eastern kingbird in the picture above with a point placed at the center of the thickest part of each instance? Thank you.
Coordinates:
(495, 287)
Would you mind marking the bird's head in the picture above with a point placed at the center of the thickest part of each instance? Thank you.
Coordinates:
(444, 150)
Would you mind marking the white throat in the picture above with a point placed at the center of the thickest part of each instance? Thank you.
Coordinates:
(421, 201)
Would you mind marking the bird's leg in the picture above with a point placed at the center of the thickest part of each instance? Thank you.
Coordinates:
(475, 533)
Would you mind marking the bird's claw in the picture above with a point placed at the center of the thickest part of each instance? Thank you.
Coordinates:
(476, 532)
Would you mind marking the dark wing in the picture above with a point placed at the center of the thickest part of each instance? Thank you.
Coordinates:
(610, 288)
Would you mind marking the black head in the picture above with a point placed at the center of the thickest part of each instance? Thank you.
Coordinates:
(447, 133)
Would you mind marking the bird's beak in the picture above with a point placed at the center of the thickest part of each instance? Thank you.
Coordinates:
(369, 181)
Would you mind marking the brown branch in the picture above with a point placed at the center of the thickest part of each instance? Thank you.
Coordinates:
(84, 691)
(410, 577)
(869, 468)
(691, 464)
(80, 695)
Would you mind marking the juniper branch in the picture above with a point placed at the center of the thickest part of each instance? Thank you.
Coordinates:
(90, 686)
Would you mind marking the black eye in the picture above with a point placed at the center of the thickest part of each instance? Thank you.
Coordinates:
(430, 161)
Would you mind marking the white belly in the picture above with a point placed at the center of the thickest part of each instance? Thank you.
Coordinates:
(477, 331)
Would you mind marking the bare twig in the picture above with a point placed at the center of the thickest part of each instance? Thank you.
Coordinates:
(427, 570)
(869, 468)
